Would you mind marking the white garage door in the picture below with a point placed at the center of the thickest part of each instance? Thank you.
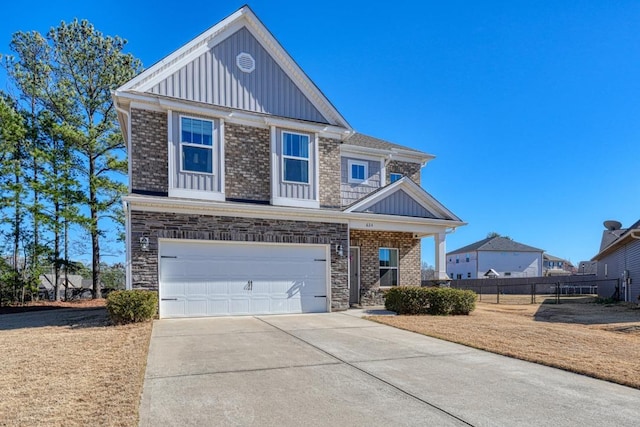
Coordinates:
(225, 278)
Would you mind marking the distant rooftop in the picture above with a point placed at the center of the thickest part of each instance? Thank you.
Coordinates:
(497, 244)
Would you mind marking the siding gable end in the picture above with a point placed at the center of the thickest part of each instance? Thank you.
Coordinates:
(214, 77)
(400, 203)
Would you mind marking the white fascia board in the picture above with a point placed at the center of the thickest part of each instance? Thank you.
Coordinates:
(335, 132)
(192, 194)
(161, 68)
(390, 154)
(246, 210)
(153, 102)
(357, 156)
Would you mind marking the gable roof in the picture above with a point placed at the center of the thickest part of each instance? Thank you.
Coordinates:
(496, 244)
(243, 19)
(417, 202)
(358, 142)
(617, 238)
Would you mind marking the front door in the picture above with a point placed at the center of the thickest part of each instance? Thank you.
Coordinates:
(354, 275)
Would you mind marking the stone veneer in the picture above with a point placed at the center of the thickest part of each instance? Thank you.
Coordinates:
(412, 170)
(149, 153)
(155, 225)
(329, 152)
(247, 152)
(369, 243)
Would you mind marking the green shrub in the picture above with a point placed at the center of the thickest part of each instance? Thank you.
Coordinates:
(465, 302)
(435, 301)
(406, 300)
(132, 306)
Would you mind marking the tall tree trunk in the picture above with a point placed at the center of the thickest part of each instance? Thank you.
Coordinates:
(16, 238)
(35, 254)
(66, 257)
(95, 242)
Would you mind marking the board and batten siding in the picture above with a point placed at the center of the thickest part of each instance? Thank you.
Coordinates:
(293, 190)
(352, 192)
(400, 203)
(214, 78)
(193, 180)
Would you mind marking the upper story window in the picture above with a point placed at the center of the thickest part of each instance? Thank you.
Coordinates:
(457, 259)
(358, 171)
(295, 157)
(467, 257)
(388, 266)
(393, 177)
(196, 145)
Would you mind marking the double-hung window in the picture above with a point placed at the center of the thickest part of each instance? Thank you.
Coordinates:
(295, 157)
(388, 266)
(196, 145)
(358, 171)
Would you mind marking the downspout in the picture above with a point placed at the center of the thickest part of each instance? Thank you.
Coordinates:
(634, 235)
(127, 242)
(125, 205)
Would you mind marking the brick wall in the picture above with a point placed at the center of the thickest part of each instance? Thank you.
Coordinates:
(329, 152)
(369, 243)
(412, 170)
(149, 152)
(154, 225)
(247, 163)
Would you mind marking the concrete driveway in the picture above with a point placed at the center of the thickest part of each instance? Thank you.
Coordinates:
(338, 369)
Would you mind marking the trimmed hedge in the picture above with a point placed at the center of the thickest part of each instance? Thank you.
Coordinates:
(132, 306)
(436, 301)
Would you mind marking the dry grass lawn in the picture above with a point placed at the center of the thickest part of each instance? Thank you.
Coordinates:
(69, 367)
(601, 341)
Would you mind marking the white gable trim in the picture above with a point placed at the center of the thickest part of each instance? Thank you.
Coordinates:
(152, 102)
(244, 17)
(389, 154)
(357, 220)
(414, 191)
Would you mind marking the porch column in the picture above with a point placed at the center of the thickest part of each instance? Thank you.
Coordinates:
(441, 256)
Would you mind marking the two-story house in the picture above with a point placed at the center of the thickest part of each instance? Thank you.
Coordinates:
(250, 193)
(503, 255)
(619, 258)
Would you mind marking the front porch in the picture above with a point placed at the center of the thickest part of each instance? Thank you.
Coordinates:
(379, 260)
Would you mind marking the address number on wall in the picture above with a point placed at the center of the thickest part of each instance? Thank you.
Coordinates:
(368, 225)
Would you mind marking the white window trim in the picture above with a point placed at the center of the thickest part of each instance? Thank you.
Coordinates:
(397, 268)
(362, 163)
(306, 159)
(188, 144)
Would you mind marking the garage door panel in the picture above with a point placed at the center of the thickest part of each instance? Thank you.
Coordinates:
(221, 278)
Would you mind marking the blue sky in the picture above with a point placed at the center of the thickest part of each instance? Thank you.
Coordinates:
(531, 108)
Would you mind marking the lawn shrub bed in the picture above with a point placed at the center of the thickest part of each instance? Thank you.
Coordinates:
(435, 301)
(132, 306)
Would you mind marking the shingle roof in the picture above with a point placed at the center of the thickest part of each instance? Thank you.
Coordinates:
(362, 140)
(499, 244)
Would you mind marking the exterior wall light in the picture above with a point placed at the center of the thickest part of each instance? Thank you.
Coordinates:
(339, 250)
(144, 243)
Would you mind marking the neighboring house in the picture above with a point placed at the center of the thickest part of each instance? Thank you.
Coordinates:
(554, 266)
(587, 268)
(75, 286)
(504, 256)
(619, 258)
(250, 193)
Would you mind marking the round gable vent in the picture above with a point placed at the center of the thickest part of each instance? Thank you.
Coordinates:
(245, 62)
